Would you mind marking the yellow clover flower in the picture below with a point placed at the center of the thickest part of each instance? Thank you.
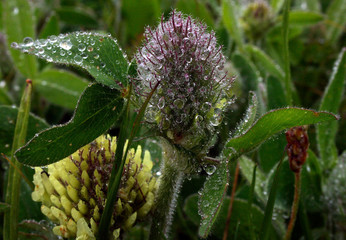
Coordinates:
(73, 191)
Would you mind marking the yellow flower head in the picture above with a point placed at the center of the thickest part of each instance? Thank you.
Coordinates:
(73, 191)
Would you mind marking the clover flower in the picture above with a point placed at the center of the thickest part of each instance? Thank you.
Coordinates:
(183, 59)
(257, 19)
(73, 191)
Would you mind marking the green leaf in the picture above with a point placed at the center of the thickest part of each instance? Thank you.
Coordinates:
(331, 100)
(8, 116)
(19, 22)
(246, 168)
(275, 93)
(312, 5)
(42, 229)
(248, 72)
(336, 20)
(312, 183)
(5, 98)
(250, 115)
(285, 186)
(196, 9)
(51, 27)
(77, 16)
(211, 197)
(4, 207)
(139, 14)
(191, 208)
(304, 18)
(99, 54)
(239, 221)
(276, 5)
(267, 219)
(229, 18)
(264, 62)
(272, 123)
(60, 87)
(270, 152)
(98, 108)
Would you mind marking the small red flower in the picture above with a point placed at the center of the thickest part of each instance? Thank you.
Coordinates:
(297, 147)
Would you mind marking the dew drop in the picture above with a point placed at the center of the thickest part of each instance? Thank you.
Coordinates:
(81, 47)
(62, 53)
(179, 103)
(217, 117)
(78, 59)
(28, 41)
(67, 45)
(209, 169)
(14, 45)
(96, 56)
(206, 106)
(161, 103)
(52, 39)
(15, 11)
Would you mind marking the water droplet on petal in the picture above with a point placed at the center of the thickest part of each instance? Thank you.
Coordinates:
(179, 103)
(161, 103)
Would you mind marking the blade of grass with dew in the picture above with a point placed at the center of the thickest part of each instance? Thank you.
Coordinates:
(331, 101)
(250, 200)
(265, 229)
(286, 55)
(10, 230)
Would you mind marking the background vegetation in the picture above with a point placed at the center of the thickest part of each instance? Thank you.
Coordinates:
(251, 33)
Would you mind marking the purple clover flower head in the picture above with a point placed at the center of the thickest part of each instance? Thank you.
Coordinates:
(184, 60)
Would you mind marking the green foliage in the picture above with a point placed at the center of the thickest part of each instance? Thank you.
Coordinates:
(99, 54)
(331, 101)
(211, 198)
(98, 108)
(89, 72)
(19, 22)
(8, 116)
(272, 123)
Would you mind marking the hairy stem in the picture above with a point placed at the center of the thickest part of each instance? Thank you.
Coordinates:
(295, 205)
(166, 199)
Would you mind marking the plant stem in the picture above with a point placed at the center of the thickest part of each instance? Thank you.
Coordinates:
(250, 200)
(10, 230)
(304, 221)
(118, 165)
(230, 206)
(267, 219)
(167, 194)
(286, 55)
(295, 204)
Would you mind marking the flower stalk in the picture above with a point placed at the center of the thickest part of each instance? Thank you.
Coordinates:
(295, 205)
(170, 184)
(297, 147)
